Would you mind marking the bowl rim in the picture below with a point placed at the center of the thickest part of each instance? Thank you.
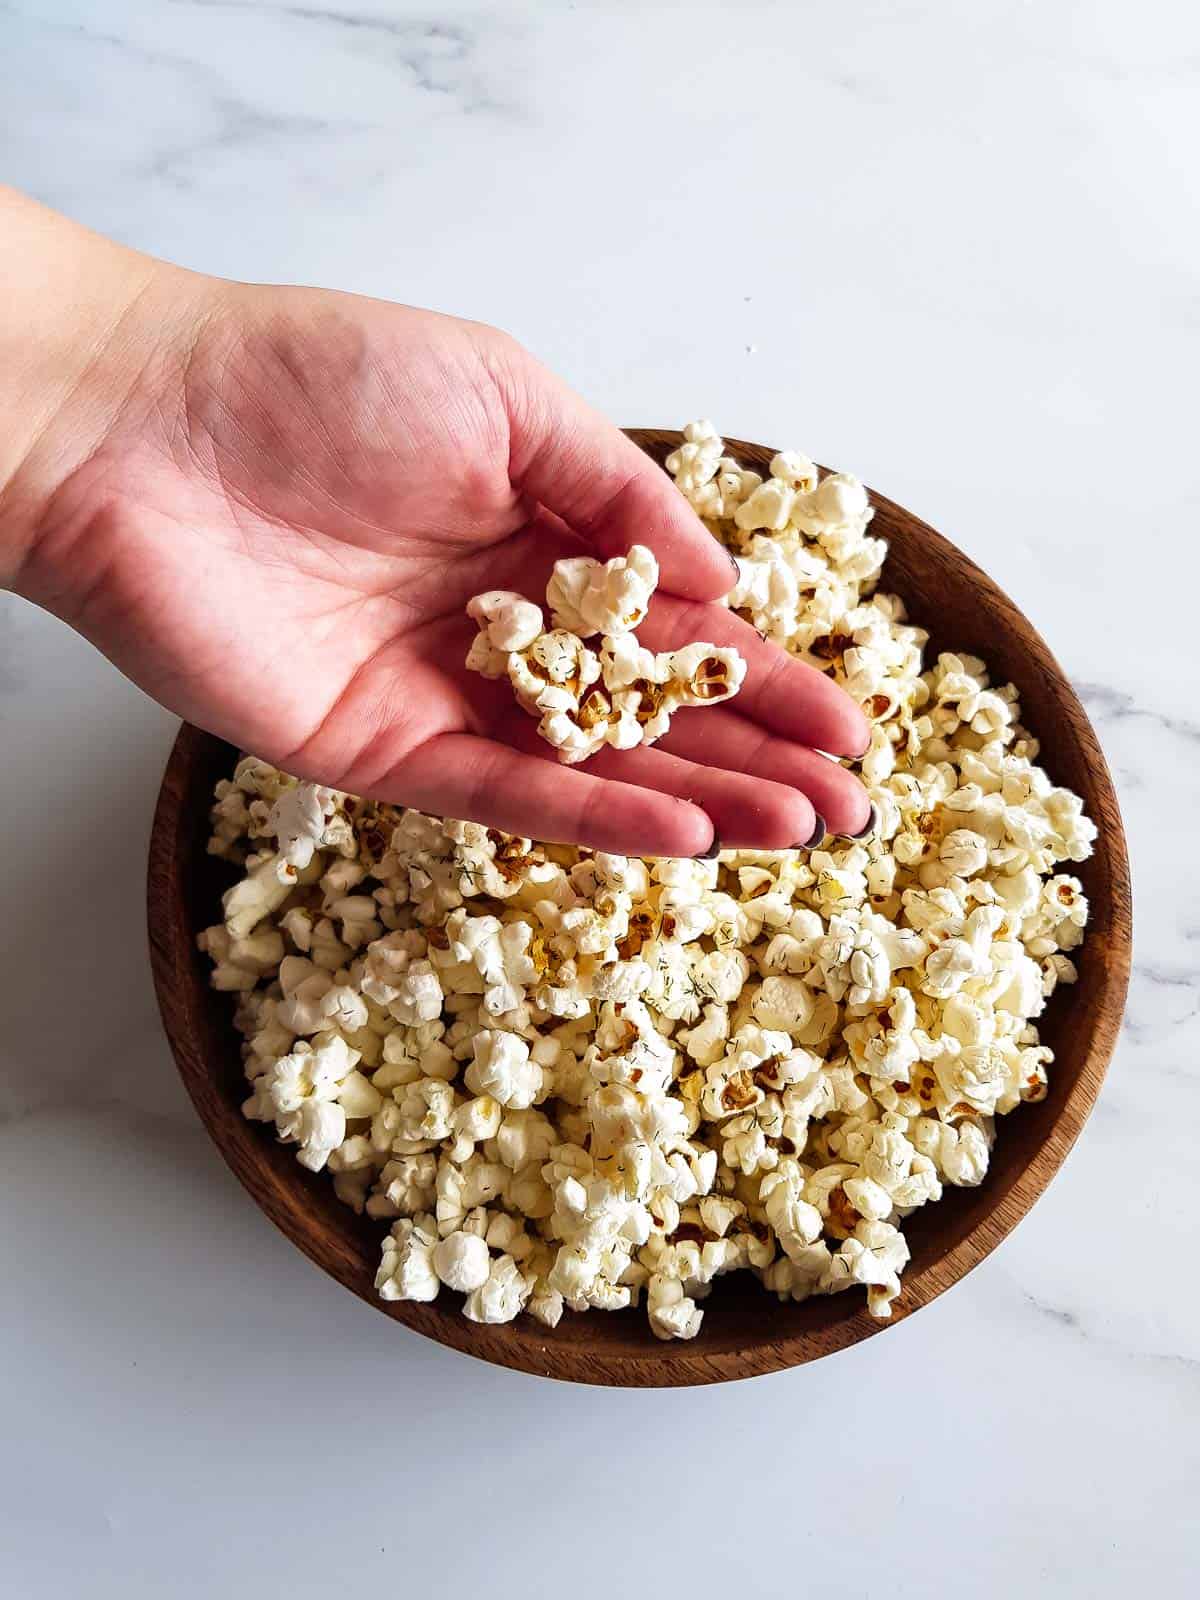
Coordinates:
(525, 1345)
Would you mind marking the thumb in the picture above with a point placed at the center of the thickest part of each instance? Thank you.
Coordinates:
(576, 463)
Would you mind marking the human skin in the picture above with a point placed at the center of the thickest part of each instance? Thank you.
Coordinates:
(268, 506)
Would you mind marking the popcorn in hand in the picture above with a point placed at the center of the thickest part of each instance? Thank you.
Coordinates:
(623, 696)
(587, 597)
(509, 621)
(570, 1081)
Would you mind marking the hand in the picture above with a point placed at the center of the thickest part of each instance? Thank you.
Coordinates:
(277, 527)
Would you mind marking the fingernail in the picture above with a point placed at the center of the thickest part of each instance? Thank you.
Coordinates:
(817, 835)
(733, 562)
(871, 824)
(713, 851)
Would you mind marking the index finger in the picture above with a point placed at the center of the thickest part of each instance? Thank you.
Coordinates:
(580, 466)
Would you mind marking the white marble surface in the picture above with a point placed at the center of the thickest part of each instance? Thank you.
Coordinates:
(951, 247)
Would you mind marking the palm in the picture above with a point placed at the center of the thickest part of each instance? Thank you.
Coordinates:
(290, 547)
(350, 534)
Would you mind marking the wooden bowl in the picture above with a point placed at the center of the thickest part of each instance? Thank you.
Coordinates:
(746, 1331)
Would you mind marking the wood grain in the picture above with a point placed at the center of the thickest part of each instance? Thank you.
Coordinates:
(746, 1331)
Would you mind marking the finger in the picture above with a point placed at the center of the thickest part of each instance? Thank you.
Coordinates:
(786, 696)
(478, 780)
(747, 812)
(574, 461)
(719, 736)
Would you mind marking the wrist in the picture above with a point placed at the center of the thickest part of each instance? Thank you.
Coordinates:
(80, 326)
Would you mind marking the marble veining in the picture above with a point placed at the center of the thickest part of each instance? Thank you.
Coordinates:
(1073, 1320)
(440, 56)
(1107, 705)
(951, 249)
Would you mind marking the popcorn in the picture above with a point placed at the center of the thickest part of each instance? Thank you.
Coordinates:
(503, 1069)
(321, 1129)
(359, 924)
(768, 593)
(567, 1080)
(461, 1261)
(406, 1271)
(874, 1254)
(696, 462)
(472, 1123)
(501, 1296)
(231, 821)
(344, 1008)
(305, 986)
(305, 818)
(484, 658)
(623, 697)
(783, 1002)
(734, 1083)
(797, 1224)
(238, 964)
(261, 891)
(587, 597)
(672, 1314)
(553, 672)
(418, 996)
(704, 674)
(508, 621)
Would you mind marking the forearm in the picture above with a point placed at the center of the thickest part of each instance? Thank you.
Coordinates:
(73, 342)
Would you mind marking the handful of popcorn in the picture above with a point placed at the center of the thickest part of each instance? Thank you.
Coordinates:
(621, 696)
(563, 1079)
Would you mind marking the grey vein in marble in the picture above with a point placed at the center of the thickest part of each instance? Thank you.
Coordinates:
(1107, 704)
(436, 54)
(1075, 1323)
(240, 122)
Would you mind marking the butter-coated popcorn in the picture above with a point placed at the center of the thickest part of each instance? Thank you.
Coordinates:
(567, 1080)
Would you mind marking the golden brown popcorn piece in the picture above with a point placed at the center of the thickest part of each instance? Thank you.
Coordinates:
(843, 1218)
(641, 928)
(738, 1091)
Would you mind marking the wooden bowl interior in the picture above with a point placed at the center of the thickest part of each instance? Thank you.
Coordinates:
(745, 1331)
